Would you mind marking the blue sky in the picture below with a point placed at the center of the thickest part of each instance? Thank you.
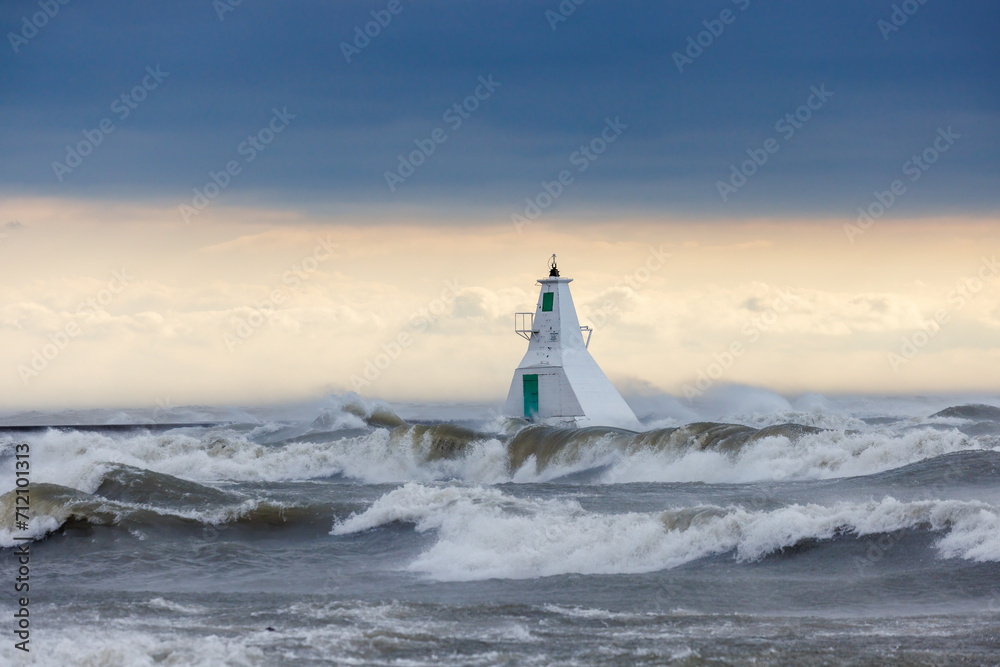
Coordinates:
(557, 87)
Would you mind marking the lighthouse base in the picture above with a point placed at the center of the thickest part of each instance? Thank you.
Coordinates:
(576, 396)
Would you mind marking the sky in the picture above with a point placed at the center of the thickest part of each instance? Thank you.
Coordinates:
(282, 195)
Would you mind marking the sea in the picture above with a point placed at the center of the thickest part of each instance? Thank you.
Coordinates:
(744, 529)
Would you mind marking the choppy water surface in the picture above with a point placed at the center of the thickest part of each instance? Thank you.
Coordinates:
(813, 532)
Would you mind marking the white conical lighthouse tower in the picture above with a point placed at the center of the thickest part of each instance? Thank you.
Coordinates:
(558, 382)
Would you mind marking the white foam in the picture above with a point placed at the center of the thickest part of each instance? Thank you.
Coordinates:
(977, 537)
(483, 533)
(63, 647)
(38, 527)
(823, 455)
(79, 460)
(170, 605)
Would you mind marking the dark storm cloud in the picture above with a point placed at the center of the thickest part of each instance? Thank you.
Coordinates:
(892, 90)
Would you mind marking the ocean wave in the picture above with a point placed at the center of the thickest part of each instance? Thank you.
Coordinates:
(87, 646)
(483, 533)
(367, 442)
(976, 412)
(963, 468)
(140, 499)
(724, 453)
(126, 484)
(784, 456)
(78, 459)
(351, 411)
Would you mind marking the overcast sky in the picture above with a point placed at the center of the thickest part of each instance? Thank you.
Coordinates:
(891, 91)
(205, 148)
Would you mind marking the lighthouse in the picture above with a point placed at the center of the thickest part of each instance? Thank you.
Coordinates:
(557, 382)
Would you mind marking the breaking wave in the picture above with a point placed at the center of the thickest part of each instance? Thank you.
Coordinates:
(698, 452)
(139, 499)
(978, 412)
(483, 533)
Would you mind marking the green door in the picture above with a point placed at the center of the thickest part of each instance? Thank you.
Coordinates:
(530, 396)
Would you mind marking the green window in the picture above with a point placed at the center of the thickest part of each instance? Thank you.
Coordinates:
(530, 385)
(547, 301)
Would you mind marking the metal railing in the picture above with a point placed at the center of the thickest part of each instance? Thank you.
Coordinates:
(524, 325)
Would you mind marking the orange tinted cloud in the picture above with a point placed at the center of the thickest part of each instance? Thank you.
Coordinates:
(320, 297)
